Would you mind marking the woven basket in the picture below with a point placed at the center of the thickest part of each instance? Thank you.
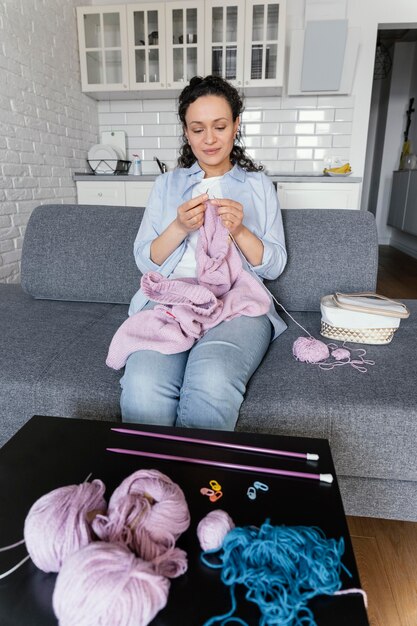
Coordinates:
(377, 336)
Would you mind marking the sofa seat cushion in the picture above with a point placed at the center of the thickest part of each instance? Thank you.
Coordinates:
(53, 359)
(368, 418)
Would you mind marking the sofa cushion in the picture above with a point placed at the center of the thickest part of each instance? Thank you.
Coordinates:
(52, 359)
(81, 253)
(368, 418)
(328, 250)
(85, 253)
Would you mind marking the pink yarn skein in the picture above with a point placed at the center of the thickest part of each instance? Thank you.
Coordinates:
(58, 523)
(310, 350)
(106, 584)
(213, 528)
(147, 513)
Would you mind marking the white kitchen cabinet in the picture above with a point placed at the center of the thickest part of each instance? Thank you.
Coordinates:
(264, 43)
(154, 48)
(113, 193)
(319, 195)
(245, 42)
(101, 192)
(146, 45)
(102, 36)
(224, 49)
(185, 42)
(137, 193)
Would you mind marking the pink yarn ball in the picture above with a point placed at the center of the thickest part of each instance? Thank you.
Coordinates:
(147, 513)
(213, 528)
(340, 354)
(105, 584)
(58, 523)
(310, 350)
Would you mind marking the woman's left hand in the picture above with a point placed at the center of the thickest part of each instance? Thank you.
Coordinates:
(231, 214)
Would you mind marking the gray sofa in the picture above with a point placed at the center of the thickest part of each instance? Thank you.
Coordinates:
(78, 274)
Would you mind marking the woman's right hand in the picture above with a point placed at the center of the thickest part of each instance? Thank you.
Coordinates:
(190, 215)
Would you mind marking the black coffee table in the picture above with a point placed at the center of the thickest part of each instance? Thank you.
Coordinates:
(49, 452)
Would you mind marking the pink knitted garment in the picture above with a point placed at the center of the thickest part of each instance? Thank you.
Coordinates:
(187, 308)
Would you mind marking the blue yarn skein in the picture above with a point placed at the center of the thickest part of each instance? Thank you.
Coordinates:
(282, 568)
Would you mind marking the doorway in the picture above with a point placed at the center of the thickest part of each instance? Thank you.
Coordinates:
(395, 81)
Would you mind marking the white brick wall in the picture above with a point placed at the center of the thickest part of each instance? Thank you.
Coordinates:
(288, 134)
(46, 123)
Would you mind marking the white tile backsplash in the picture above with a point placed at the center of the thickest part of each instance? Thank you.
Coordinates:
(343, 115)
(342, 141)
(276, 115)
(253, 141)
(314, 141)
(288, 134)
(318, 115)
(142, 119)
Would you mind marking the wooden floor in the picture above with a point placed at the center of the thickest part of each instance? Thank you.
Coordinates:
(397, 274)
(386, 550)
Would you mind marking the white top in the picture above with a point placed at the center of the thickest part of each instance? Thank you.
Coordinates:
(187, 267)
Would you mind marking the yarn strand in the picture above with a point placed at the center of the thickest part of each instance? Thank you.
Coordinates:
(12, 545)
(266, 288)
(15, 567)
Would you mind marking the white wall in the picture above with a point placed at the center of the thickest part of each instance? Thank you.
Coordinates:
(46, 124)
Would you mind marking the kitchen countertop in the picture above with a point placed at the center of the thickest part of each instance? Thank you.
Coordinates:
(276, 178)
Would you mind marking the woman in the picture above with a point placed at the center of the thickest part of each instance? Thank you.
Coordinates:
(204, 387)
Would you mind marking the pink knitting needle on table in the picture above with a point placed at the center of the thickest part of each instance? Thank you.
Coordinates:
(309, 456)
(327, 478)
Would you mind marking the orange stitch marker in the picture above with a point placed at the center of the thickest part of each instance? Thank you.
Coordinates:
(216, 496)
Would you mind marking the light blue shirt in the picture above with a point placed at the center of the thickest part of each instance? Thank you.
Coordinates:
(262, 216)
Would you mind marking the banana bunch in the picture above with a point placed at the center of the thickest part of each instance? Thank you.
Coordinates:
(343, 169)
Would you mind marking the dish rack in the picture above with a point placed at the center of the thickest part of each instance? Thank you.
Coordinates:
(109, 166)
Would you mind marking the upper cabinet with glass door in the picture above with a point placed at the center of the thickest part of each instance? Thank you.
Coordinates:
(185, 37)
(147, 45)
(264, 43)
(103, 50)
(225, 39)
(155, 48)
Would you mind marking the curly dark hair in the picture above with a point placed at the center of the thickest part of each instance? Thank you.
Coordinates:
(216, 86)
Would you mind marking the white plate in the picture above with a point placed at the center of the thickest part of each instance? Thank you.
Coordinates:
(103, 158)
(342, 174)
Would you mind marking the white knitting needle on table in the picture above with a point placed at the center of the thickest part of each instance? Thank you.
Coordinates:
(309, 456)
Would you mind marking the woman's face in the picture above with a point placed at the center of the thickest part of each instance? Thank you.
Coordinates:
(211, 131)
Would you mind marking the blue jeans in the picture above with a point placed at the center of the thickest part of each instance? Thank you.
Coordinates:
(202, 387)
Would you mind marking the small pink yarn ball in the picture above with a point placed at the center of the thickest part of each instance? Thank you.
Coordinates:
(106, 584)
(59, 523)
(147, 513)
(213, 528)
(340, 354)
(310, 350)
